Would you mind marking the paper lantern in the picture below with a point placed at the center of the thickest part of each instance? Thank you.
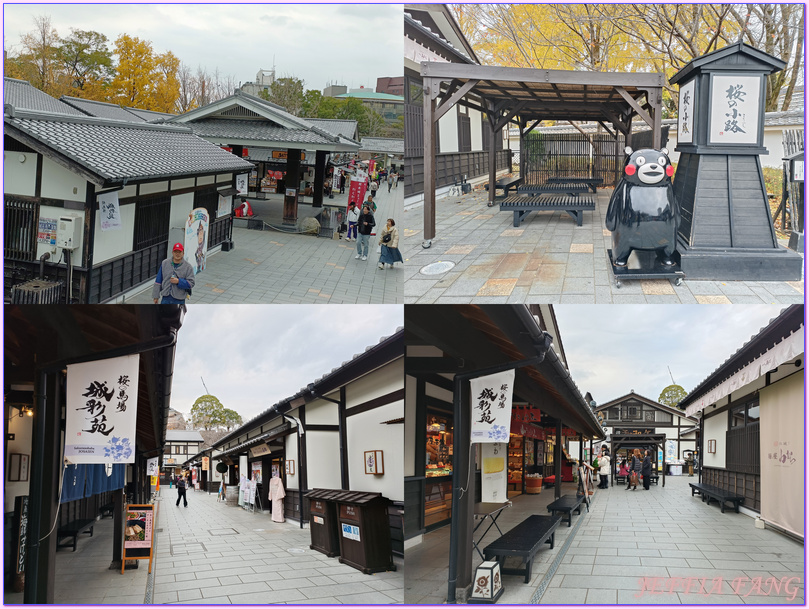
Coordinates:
(488, 585)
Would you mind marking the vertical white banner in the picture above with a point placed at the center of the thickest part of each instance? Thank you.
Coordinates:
(108, 211)
(241, 183)
(491, 398)
(493, 472)
(102, 408)
(685, 114)
(152, 467)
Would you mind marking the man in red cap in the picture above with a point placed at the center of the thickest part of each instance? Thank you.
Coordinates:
(174, 279)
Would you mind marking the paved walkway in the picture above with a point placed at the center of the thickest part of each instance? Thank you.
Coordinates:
(547, 259)
(276, 267)
(213, 553)
(630, 543)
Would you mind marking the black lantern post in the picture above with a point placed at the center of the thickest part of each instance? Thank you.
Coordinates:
(726, 232)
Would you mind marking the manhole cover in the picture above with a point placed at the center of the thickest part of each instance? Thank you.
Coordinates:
(296, 551)
(436, 268)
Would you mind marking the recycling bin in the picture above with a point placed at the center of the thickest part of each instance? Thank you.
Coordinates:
(364, 531)
(323, 521)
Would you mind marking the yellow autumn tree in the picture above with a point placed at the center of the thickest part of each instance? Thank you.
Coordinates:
(144, 79)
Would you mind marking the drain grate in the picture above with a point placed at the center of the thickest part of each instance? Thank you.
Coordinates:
(225, 531)
(436, 268)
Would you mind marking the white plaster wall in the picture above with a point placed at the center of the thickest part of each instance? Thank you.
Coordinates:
(182, 183)
(477, 130)
(181, 206)
(113, 243)
(19, 178)
(128, 191)
(59, 183)
(714, 429)
(48, 211)
(22, 428)
(380, 382)
(205, 180)
(321, 412)
(291, 452)
(323, 458)
(154, 187)
(366, 432)
(448, 130)
(410, 427)
(225, 178)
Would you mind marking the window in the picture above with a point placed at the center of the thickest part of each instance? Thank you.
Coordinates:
(21, 222)
(632, 412)
(615, 413)
(745, 414)
(742, 440)
(649, 416)
(151, 222)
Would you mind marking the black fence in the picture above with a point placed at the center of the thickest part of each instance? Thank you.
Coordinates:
(549, 155)
(20, 221)
(450, 168)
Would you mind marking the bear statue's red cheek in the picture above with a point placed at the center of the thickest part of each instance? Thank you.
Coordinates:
(670, 171)
(630, 170)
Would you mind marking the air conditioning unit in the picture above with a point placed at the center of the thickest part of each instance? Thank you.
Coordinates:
(69, 232)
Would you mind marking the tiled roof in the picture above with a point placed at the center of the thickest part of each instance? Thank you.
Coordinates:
(383, 144)
(149, 115)
(371, 94)
(183, 435)
(255, 130)
(117, 151)
(101, 109)
(342, 127)
(21, 94)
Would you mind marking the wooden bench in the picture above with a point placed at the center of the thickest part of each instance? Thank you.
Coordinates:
(523, 541)
(593, 183)
(106, 510)
(566, 504)
(569, 188)
(522, 206)
(72, 530)
(654, 477)
(709, 492)
(506, 183)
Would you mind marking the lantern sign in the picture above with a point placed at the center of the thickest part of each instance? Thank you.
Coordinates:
(491, 407)
(734, 109)
(206, 464)
(102, 408)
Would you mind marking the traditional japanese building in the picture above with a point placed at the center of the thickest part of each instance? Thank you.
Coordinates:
(752, 418)
(58, 162)
(321, 437)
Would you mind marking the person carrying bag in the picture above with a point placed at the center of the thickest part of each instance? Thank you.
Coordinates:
(634, 470)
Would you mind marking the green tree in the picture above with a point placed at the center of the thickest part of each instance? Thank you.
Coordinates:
(288, 93)
(672, 395)
(86, 60)
(311, 103)
(208, 413)
(231, 419)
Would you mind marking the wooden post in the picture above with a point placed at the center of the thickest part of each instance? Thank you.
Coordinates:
(430, 94)
(291, 182)
(492, 157)
(320, 174)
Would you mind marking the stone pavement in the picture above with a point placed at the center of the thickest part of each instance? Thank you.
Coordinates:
(547, 259)
(632, 542)
(276, 267)
(213, 553)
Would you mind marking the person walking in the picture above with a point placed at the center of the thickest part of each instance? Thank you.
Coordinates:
(342, 182)
(689, 461)
(175, 278)
(374, 187)
(353, 217)
(389, 244)
(395, 179)
(634, 470)
(604, 469)
(390, 181)
(181, 488)
(365, 225)
(646, 470)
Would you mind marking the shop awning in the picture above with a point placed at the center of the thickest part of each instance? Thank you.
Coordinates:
(786, 350)
(275, 432)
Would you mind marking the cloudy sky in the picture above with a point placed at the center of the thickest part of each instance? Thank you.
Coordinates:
(614, 349)
(322, 44)
(252, 356)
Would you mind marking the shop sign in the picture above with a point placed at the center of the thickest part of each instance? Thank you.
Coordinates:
(351, 532)
(284, 154)
(109, 212)
(634, 432)
(491, 407)
(527, 430)
(260, 450)
(102, 408)
(206, 464)
(527, 414)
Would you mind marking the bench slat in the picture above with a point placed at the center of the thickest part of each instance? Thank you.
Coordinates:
(524, 541)
(72, 530)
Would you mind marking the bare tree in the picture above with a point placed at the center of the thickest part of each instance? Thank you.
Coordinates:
(187, 98)
(40, 47)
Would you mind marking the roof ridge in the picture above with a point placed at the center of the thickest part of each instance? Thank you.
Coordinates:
(24, 113)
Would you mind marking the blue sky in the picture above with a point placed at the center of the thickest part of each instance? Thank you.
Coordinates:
(341, 44)
(613, 349)
(252, 356)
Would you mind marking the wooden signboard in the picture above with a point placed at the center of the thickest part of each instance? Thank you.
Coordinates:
(139, 533)
(20, 540)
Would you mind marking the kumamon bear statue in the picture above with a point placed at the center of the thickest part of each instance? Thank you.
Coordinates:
(643, 213)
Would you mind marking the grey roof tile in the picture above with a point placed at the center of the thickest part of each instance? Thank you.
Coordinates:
(115, 150)
(101, 109)
(21, 94)
(149, 115)
(255, 130)
(341, 127)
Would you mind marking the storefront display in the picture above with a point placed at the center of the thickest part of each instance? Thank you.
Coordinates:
(515, 464)
(438, 471)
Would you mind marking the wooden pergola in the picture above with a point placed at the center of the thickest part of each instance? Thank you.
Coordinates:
(526, 97)
(638, 441)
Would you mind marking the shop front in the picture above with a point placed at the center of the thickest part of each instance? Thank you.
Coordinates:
(438, 469)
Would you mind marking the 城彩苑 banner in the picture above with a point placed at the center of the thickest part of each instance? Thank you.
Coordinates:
(491, 407)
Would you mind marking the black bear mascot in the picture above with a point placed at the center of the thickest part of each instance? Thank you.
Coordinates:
(643, 213)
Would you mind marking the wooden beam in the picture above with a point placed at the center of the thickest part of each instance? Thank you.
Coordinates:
(635, 106)
(456, 95)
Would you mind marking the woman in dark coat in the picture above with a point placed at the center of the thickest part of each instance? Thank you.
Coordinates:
(646, 470)
(634, 467)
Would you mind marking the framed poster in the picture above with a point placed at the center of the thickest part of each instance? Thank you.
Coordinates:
(138, 533)
(18, 467)
(374, 462)
(289, 467)
(735, 109)
(711, 446)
